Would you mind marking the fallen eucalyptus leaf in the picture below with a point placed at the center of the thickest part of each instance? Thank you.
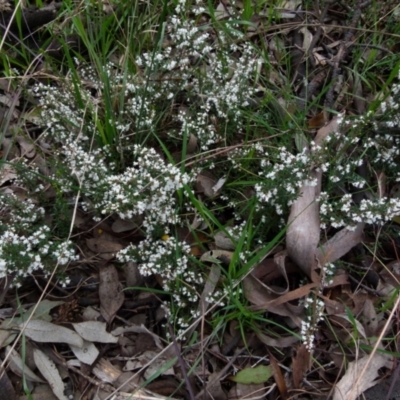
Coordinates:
(87, 354)
(110, 292)
(353, 383)
(94, 331)
(122, 225)
(107, 249)
(46, 332)
(49, 370)
(223, 241)
(303, 232)
(20, 368)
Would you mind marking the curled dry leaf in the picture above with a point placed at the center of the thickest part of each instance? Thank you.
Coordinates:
(354, 382)
(207, 184)
(50, 372)
(340, 244)
(110, 292)
(260, 295)
(46, 332)
(216, 256)
(278, 376)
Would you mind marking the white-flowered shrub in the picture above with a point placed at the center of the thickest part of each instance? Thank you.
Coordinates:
(103, 124)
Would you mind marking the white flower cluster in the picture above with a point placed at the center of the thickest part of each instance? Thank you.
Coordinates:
(147, 188)
(345, 213)
(25, 242)
(340, 157)
(391, 107)
(170, 260)
(214, 83)
(314, 308)
(61, 114)
(327, 274)
(282, 179)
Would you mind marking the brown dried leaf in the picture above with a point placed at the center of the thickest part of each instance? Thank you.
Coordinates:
(223, 241)
(107, 249)
(192, 144)
(300, 365)
(27, 147)
(278, 376)
(303, 234)
(207, 184)
(340, 244)
(281, 342)
(260, 295)
(318, 121)
(122, 225)
(110, 292)
(132, 275)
